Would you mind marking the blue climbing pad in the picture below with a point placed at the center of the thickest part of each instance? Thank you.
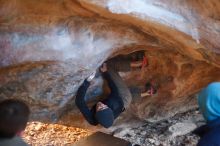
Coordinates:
(102, 139)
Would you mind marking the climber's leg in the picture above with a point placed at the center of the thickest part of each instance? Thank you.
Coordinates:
(123, 90)
(124, 63)
(119, 64)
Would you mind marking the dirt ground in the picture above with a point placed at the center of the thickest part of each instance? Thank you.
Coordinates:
(175, 131)
(40, 134)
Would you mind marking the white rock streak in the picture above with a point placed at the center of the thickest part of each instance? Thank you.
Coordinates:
(149, 10)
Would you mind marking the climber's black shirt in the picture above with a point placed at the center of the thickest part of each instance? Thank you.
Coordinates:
(113, 101)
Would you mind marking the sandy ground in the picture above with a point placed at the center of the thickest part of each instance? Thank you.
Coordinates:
(40, 134)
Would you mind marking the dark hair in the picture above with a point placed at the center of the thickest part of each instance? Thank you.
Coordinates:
(149, 85)
(14, 116)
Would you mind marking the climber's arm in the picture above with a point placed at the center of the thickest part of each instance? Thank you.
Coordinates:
(81, 103)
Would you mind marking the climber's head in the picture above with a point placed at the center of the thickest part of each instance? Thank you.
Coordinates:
(100, 106)
(104, 115)
(209, 101)
(150, 88)
(14, 116)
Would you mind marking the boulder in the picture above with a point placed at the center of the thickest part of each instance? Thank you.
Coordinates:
(49, 48)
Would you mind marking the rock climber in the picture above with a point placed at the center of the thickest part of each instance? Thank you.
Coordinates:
(136, 61)
(105, 111)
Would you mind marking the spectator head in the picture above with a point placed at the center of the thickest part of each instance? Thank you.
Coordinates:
(13, 117)
(209, 101)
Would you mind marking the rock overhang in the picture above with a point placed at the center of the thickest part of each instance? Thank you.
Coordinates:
(48, 49)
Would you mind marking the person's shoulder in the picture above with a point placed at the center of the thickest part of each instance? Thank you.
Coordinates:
(15, 141)
(20, 141)
(211, 138)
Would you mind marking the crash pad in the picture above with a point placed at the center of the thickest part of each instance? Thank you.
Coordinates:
(102, 139)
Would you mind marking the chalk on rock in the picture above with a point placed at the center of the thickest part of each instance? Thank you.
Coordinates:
(181, 129)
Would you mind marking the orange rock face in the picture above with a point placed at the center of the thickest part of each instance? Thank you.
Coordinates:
(49, 47)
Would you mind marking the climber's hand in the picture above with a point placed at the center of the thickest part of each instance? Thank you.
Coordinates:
(104, 67)
(89, 79)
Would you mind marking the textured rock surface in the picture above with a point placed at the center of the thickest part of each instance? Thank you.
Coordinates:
(157, 133)
(49, 47)
(180, 129)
